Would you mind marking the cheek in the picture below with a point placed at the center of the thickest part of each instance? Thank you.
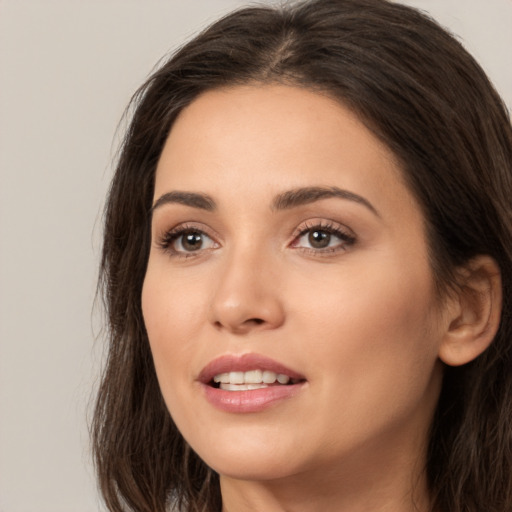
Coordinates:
(377, 324)
(172, 302)
(171, 320)
(371, 353)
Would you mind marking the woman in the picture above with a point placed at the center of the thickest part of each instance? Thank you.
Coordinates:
(307, 268)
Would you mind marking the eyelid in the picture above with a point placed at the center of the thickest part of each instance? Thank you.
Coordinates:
(322, 223)
(347, 237)
(166, 238)
(343, 232)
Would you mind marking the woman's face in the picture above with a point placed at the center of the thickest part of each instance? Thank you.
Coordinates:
(286, 246)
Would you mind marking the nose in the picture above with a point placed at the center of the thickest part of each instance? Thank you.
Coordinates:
(247, 297)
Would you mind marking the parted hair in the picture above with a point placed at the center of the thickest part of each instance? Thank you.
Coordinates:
(420, 92)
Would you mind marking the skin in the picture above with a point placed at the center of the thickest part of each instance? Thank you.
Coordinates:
(360, 320)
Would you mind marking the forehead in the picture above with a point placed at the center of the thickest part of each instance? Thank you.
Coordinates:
(269, 138)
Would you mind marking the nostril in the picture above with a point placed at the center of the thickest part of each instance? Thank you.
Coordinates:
(248, 322)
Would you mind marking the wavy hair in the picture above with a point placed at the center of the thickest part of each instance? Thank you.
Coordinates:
(419, 91)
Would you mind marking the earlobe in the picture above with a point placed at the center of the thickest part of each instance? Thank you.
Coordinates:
(476, 312)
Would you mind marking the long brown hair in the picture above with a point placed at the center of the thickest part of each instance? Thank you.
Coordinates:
(420, 92)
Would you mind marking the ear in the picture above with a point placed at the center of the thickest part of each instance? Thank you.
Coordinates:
(475, 311)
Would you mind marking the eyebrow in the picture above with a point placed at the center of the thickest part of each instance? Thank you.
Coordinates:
(307, 195)
(284, 201)
(193, 199)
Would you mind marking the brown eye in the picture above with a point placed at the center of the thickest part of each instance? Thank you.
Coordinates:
(188, 241)
(319, 239)
(324, 239)
(191, 241)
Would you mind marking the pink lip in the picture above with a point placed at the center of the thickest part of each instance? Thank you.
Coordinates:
(251, 400)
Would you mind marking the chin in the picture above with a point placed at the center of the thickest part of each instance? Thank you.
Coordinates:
(248, 460)
(258, 468)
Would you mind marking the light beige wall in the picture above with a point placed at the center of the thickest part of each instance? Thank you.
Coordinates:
(67, 69)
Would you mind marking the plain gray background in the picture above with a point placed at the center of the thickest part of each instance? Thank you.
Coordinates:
(67, 70)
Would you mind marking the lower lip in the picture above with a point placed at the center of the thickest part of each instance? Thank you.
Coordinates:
(254, 400)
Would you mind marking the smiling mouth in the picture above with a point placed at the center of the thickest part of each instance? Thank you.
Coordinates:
(248, 383)
(251, 380)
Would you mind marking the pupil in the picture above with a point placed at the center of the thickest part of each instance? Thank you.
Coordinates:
(192, 241)
(319, 239)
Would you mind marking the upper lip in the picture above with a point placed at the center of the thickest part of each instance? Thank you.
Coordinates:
(244, 363)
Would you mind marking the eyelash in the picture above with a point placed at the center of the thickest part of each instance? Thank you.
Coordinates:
(345, 236)
(170, 237)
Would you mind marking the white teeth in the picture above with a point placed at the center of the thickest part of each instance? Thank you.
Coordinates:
(222, 377)
(252, 377)
(283, 379)
(269, 377)
(236, 377)
(242, 387)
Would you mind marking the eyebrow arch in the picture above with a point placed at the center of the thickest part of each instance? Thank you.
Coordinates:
(193, 199)
(286, 200)
(306, 195)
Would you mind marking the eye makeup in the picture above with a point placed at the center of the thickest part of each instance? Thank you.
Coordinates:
(322, 237)
(315, 237)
